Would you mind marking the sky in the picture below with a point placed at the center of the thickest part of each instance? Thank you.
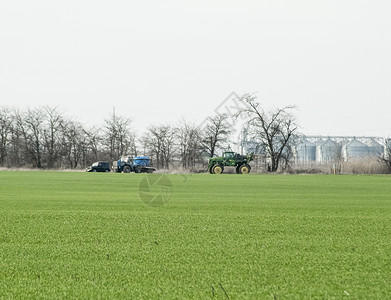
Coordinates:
(158, 62)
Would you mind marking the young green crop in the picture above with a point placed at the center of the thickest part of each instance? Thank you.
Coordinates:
(90, 235)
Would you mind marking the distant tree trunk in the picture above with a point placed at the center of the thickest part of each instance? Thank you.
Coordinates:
(5, 130)
(215, 133)
(160, 142)
(385, 158)
(93, 142)
(52, 135)
(30, 126)
(119, 136)
(190, 144)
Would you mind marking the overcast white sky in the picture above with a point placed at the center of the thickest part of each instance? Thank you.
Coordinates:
(159, 61)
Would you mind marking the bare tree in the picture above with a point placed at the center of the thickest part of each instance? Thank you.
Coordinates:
(75, 144)
(119, 136)
(30, 125)
(385, 158)
(52, 135)
(93, 141)
(215, 133)
(273, 129)
(5, 132)
(160, 142)
(16, 155)
(190, 144)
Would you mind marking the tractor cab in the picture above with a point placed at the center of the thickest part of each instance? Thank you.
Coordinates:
(229, 155)
(229, 158)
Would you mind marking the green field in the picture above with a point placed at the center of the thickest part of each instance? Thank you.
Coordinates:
(86, 235)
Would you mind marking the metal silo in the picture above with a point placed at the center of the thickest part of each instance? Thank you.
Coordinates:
(355, 149)
(327, 151)
(374, 148)
(305, 151)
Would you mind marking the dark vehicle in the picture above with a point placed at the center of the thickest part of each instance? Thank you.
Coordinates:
(99, 166)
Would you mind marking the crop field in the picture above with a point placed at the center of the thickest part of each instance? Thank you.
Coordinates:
(136, 236)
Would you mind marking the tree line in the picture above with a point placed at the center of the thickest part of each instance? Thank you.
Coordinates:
(44, 137)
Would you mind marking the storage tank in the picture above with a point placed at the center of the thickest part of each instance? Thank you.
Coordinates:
(355, 149)
(327, 151)
(305, 151)
(374, 148)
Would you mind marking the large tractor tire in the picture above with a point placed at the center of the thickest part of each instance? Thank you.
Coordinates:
(126, 169)
(137, 169)
(244, 169)
(217, 169)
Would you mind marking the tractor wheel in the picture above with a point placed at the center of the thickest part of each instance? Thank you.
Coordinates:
(238, 170)
(137, 169)
(217, 169)
(126, 169)
(244, 169)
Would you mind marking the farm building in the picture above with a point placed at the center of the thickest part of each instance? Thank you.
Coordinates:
(327, 149)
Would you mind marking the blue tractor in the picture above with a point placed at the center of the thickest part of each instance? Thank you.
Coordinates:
(139, 164)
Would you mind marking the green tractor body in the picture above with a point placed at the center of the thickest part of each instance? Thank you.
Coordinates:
(230, 159)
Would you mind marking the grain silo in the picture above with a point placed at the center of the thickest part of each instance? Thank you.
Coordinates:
(354, 149)
(305, 151)
(374, 148)
(327, 151)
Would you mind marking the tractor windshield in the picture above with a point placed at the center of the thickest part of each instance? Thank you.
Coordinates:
(229, 155)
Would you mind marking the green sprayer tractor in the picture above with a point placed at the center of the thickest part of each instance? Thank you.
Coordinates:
(230, 159)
